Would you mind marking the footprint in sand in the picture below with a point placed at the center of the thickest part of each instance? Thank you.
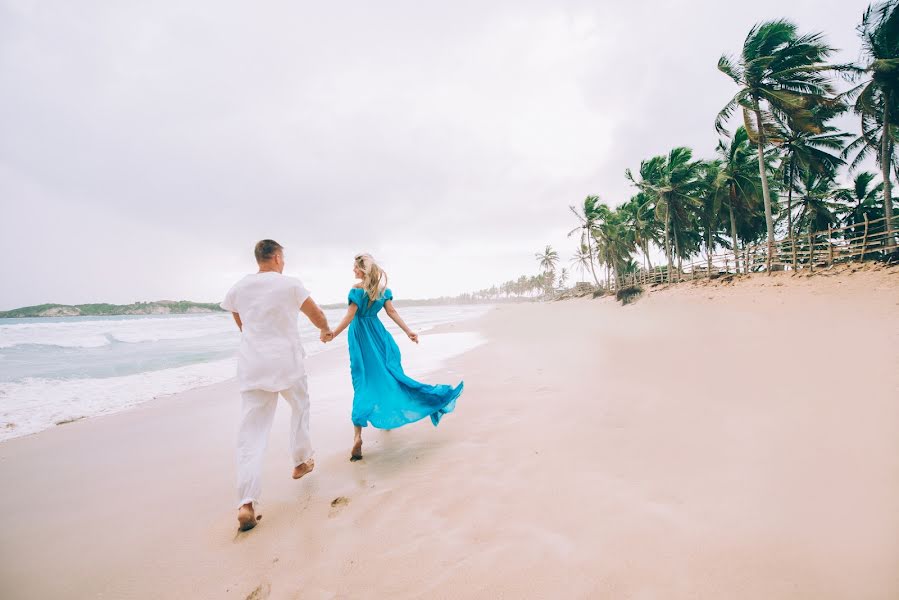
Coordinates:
(337, 505)
(262, 592)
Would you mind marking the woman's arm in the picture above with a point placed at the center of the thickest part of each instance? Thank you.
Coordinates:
(347, 318)
(391, 312)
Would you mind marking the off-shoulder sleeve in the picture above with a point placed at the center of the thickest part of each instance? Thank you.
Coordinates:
(388, 294)
(351, 297)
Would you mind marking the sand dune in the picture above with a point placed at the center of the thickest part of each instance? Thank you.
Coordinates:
(726, 440)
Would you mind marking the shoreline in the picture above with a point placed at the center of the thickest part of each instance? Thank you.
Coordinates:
(34, 403)
(598, 451)
(163, 308)
(329, 362)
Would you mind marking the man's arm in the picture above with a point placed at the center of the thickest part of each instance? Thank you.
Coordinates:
(317, 317)
(238, 321)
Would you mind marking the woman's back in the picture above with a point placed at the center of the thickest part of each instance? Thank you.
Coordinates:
(367, 308)
(383, 395)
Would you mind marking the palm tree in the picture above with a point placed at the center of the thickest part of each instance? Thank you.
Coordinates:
(740, 178)
(817, 210)
(804, 151)
(878, 99)
(522, 285)
(714, 191)
(548, 259)
(780, 74)
(563, 277)
(614, 243)
(673, 182)
(639, 213)
(603, 216)
(862, 201)
(536, 282)
(588, 216)
(582, 259)
(543, 282)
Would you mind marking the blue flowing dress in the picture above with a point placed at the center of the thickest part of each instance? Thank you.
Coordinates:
(383, 395)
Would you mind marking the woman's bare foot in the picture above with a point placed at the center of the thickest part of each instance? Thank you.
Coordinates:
(356, 453)
(247, 517)
(303, 468)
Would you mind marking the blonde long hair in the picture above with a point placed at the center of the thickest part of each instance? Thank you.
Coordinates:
(374, 279)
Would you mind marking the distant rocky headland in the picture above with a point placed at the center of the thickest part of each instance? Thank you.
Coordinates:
(160, 307)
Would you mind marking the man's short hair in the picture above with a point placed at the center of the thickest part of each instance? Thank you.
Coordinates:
(266, 250)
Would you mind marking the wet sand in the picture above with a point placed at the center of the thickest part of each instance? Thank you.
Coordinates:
(711, 441)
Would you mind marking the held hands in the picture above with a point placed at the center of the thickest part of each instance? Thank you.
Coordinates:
(328, 336)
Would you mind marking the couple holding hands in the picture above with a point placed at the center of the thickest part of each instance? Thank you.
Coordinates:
(266, 305)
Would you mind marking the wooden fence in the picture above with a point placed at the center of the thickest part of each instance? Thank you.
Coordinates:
(867, 239)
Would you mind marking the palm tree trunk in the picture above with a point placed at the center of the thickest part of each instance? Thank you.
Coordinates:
(708, 251)
(733, 230)
(668, 242)
(886, 161)
(677, 253)
(766, 193)
(646, 254)
(790, 210)
(790, 198)
(811, 249)
(590, 250)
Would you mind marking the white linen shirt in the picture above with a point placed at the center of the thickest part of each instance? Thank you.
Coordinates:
(271, 354)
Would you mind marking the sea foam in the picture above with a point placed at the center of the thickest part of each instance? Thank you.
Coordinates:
(58, 370)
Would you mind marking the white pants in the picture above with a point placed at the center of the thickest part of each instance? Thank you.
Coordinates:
(255, 425)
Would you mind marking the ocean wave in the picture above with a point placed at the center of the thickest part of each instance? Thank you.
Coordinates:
(33, 404)
(93, 332)
(50, 375)
(98, 333)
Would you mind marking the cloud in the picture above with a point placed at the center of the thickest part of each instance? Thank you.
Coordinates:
(446, 139)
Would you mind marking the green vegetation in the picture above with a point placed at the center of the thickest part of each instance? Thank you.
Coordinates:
(628, 294)
(776, 177)
(548, 261)
(139, 308)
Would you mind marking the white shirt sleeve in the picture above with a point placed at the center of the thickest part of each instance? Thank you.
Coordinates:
(301, 292)
(230, 302)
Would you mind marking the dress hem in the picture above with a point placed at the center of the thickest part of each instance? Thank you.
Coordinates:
(435, 416)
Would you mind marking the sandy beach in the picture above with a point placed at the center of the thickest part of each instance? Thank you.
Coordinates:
(723, 440)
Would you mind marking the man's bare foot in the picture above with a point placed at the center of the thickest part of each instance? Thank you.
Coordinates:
(303, 468)
(247, 517)
(356, 453)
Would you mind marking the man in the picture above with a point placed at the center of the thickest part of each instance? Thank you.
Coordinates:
(266, 306)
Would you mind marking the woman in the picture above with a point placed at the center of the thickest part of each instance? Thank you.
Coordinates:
(382, 393)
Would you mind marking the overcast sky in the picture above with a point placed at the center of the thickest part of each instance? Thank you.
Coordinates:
(146, 146)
